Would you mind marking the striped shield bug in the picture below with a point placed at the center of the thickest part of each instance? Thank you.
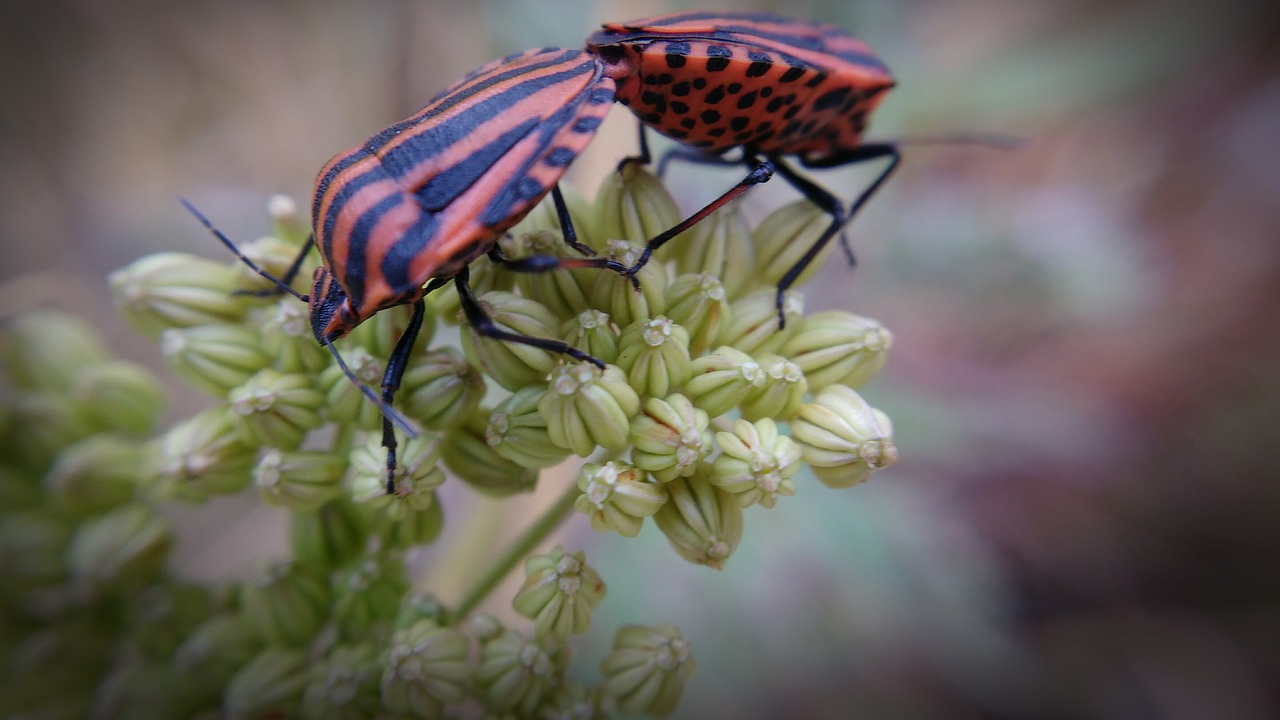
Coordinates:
(767, 85)
(404, 212)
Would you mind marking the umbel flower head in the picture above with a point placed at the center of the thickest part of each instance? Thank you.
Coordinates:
(703, 410)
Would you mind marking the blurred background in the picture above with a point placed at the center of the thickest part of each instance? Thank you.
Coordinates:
(1086, 373)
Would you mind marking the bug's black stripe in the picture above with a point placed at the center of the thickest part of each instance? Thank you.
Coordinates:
(436, 194)
(396, 263)
(517, 192)
(322, 189)
(402, 159)
(358, 247)
(411, 153)
(443, 104)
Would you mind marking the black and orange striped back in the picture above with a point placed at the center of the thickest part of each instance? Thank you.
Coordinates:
(424, 197)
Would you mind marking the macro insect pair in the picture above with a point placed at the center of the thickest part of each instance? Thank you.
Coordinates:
(407, 210)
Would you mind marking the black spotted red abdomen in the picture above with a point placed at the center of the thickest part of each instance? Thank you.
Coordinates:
(717, 81)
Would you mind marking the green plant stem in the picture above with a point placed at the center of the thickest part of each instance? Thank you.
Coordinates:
(518, 550)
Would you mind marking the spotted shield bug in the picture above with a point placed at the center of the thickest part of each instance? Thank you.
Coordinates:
(405, 212)
(768, 85)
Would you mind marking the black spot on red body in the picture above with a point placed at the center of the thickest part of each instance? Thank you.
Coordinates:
(774, 105)
(792, 74)
(747, 100)
(739, 123)
(678, 107)
(735, 88)
(715, 96)
(699, 83)
(680, 89)
(688, 123)
(830, 99)
(710, 117)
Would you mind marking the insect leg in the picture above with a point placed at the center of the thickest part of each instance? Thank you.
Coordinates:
(566, 222)
(697, 157)
(391, 383)
(484, 325)
(641, 158)
(830, 204)
(761, 171)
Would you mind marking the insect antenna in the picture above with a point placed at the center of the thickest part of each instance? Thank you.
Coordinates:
(284, 286)
(387, 411)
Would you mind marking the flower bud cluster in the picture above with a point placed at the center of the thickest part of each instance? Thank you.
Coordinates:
(704, 408)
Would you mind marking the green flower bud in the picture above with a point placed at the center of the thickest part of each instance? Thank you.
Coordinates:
(838, 347)
(720, 246)
(301, 481)
(784, 237)
(440, 389)
(634, 205)
(32, 547)
(95, 475)
(273, 255)
(175, 290)
(669, 437)
(617, 497)
(723, 379)
(842, 438)
(756, 463)
(559, 592)
(288, 340)
(515, 674)
(48, 349)
(467, 454)
(286, 222)
(276, 410)
(426, 669)
(419, 605)
(484, 627)
(285, 602)
(573, 701)
(702, 522)
(213, 358)
(655, 355)
(594, 333)
(119, 396)
(344, 403)
(513, 365)
(417, 475)
(647, 669)
(563, 291)
(329, 536)
(368, 591)
(585, 407)
(203, 456)
(222, 643)
(753, 321)
(782, 393)
(699, 304)
(412, 529)
(42, 424)
(125, 548)
(616, 295)
(518, 432)
(268, 685)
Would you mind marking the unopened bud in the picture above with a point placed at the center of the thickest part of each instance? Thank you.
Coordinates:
(782, 392)
(655, 356)
(470, 457)
(669, 437)
(275, 410)
(699, 304)
(585, 407)
(756, 463)
(838, 347)
(440, 389)
(214, 358)
(518, 432)
(784, 237)
(617, 497)
(559, 592)
(513, 365)
(842, 438)
(702, 522)
(647, 669)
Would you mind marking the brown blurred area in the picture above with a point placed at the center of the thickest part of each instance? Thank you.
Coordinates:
(1086, 375)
